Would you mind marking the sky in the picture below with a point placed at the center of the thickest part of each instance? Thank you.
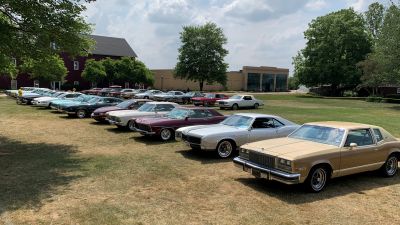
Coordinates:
(259, 32)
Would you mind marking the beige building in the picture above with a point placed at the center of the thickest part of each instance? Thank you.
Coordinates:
(263, 78)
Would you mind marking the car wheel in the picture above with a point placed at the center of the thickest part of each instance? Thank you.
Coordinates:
(235, 106)
(166, 134)
(49, 106)
(81, 114)
(225, 148)
(389, 169)
(146, 97)
(317, 179)
(256, 105)
(205, 104)
(131, 125)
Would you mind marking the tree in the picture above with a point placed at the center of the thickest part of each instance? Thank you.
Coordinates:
(335, 44)
(128, 69)
(201, 55)
(47, 69)
(371, 76)
(110, 68)
(374, 19)
(33, 29)
(94, 71)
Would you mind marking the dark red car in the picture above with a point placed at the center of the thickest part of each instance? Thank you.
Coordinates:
(164, 127)
(92, 91)
(100, 113)
(208, 99)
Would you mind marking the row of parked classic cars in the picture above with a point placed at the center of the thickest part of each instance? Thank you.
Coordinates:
(268, 146)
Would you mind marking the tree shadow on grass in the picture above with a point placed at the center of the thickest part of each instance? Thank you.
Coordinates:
(205, 157)
(33, 172)
(296, 194)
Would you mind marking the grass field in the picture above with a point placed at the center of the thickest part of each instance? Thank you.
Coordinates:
(57, 170)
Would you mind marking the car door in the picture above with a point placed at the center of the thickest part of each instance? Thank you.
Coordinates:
(262, 128)
(247, 101)
(363, 157)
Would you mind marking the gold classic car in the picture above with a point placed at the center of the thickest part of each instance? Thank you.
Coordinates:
(317, 152)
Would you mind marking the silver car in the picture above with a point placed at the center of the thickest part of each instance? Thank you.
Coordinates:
(234, 131)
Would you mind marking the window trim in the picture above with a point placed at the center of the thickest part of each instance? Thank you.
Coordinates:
(76, 65)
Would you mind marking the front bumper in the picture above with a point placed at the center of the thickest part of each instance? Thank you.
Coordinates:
(98, 116)
(145, 132)
(267, 173)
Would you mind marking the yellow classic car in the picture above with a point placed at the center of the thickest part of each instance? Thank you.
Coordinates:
(317, 152)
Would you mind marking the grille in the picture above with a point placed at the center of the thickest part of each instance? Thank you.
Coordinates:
(143, 127)
(221, 103)
(262, 159)
(191, 139)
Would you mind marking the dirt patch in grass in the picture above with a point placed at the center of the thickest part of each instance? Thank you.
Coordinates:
(55, 170)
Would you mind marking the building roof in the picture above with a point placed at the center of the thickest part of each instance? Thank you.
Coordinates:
(112, 46)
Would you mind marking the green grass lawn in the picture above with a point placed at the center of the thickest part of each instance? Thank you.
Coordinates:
(58, 170)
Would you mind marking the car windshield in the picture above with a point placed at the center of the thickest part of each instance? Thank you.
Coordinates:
(147, 107)
(238, 121)
(85, 98)
(178, 113)
(125, 104)
(320, 134)
(93, 100)
(209, 95)
(58, 94)
(236, 97)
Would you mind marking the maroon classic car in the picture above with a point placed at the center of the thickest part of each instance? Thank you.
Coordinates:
(100, 113)
(92, 91)
(208, 99)
(164, 127)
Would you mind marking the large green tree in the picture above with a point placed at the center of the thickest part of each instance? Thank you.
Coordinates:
(39, 29)
(129, 69)
(374, 19)
(201, 55)
(94, 71)
(50, 68)
(335, 44)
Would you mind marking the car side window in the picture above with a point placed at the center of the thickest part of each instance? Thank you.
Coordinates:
(378, 135)
(262, 123)
(164, 107)
(361, 137)
(198, 114)
(247, 98)
(278, 123)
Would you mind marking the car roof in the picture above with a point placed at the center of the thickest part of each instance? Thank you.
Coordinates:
(157, 103)
(255, 115)
(341, 124)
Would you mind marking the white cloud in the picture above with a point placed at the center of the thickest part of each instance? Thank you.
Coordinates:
(360, 5)
(169, 11)
(316, 4)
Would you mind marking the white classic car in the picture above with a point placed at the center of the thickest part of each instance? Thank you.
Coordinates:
(169, 96)
(45, 101)
(234, 131)
(126, 118)
(148, 94)
(240, 101)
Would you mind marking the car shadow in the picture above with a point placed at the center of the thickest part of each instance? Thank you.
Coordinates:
(56, 112)
(100, 123)
(117, 130)
(205, 157)
(30, 173)
(296, 194)
(149, 140)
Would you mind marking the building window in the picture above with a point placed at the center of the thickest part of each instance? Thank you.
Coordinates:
(36, 83)
(253, 82)
(268, 82)
(281, 82)
(14, 84)
(14, 61)
(126, 84)
(76, 65)
(53, 45)
(94, 84)
(76, 83)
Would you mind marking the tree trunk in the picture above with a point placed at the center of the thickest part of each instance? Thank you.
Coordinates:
(201, 85)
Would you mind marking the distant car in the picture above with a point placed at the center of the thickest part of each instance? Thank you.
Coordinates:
(132, 94)
(318, 151)
(187, 97)
(126, 118)
(240, 101)
(85, 109)
(133, 104)
(28, 97)
(169, 96)
(208, 99)
(60, 104)
(113, 90)
(164, 127)
(46, 101)
(93, 91)
(238, 129)
(148, 94)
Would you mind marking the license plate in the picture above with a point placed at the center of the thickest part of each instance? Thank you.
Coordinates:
(256, 173)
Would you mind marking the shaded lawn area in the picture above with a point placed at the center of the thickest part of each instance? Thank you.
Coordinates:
(70, 171)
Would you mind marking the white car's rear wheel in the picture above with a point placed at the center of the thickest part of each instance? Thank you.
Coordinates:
(256, 106)
(131, 125)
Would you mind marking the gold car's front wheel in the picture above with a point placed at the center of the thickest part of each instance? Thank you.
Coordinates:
(317, 179)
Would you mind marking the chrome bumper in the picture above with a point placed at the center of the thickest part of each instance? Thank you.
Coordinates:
(144, 132)
(267, 173)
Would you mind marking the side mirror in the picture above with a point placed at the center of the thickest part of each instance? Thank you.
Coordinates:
(353, 145)
(186, 118)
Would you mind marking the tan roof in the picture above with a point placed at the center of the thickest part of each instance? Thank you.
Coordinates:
(340, 124)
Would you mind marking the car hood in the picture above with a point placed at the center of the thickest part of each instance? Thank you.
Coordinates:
(44, 98)
(203, 130)
(107, 109)
(289, 148)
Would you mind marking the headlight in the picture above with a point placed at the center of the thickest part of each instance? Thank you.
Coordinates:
(244, 153)
(284, 164)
